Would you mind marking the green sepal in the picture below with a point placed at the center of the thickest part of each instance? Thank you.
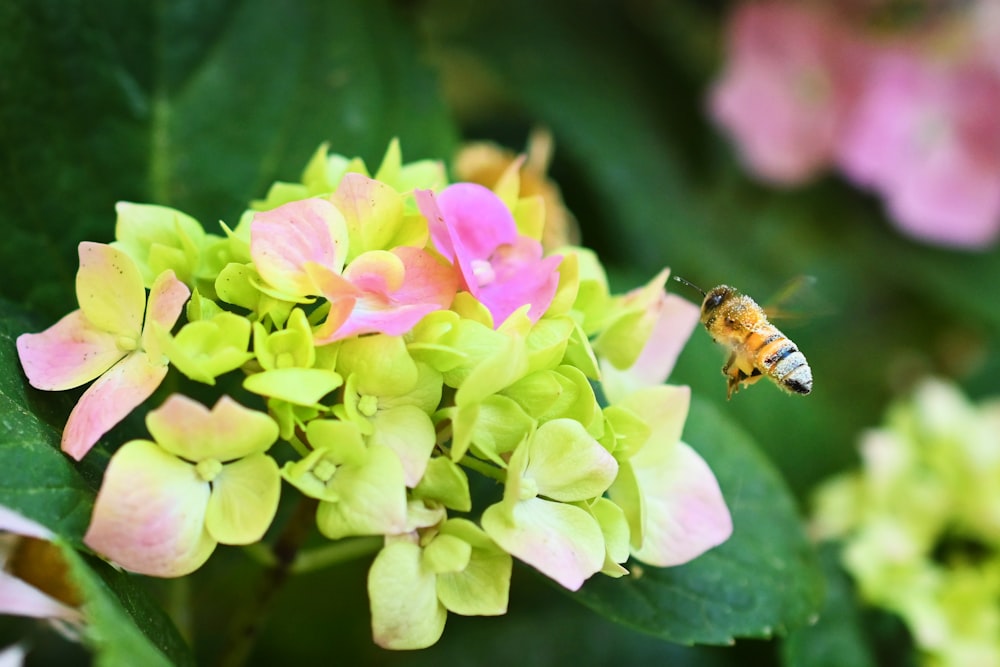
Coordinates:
(614, 526)
(238, 284)
(201, 308)
(205, 349)
(547, 342)
(569, 285)
(159, 238)
(291, 347)
(445, 482)
(630, 430)
(447, 553)
(482, 587)
(371, 498)
(580, 354)
(302, 386)
(630, 323)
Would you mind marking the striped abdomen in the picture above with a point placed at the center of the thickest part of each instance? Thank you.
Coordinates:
(779, 359)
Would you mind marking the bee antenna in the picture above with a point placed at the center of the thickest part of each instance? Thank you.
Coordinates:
(689, 284)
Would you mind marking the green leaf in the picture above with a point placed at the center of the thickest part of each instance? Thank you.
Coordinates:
(196, 104)
(764, 580)
(39, 481)
(125, 627)
(837, 638)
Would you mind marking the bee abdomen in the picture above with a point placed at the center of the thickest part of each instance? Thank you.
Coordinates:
(787, 366)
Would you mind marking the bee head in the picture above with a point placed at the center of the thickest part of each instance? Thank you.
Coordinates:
(715, 298)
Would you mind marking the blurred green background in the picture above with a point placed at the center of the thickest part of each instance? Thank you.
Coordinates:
(201, 104)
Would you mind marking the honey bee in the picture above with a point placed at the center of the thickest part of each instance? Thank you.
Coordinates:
(757, 348)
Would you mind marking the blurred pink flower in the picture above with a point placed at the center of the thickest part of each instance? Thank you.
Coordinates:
(791, 74)
(925, 134)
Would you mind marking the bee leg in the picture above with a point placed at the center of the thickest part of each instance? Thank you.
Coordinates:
(737, 377)
(733, 376)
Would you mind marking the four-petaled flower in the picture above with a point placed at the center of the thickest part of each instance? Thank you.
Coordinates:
(164, 505)
(105, 339)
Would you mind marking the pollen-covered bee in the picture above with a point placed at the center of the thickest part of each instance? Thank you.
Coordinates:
(757, 348)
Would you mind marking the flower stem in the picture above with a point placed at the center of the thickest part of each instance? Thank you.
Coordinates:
(247, 623)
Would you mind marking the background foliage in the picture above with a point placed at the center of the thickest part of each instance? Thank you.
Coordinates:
(200, 104)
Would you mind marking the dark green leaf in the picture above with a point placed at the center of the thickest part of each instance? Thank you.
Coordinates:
(764, 580)
(197, 104)
(836, 639)
(39, 481)
(124, 627)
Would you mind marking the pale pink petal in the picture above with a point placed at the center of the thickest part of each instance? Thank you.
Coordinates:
(438, 226)
(676, 318)
(563, 542)
(14, 655)
(284, 239)
(684, 512)
(167, 297)
(68, 354)
(664, 408)
(149, 516)
(14, 522)
(950, 202)
(186, 428)
(18, 598)
(925, 136)
(110, 290)
(880, 123)
(109, 400)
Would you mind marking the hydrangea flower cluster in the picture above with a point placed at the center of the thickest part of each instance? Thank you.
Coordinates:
(909, 115)
(394, 333)
(920, 523)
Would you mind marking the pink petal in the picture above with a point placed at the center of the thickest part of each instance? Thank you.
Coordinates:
(68, 354)
(684, 514)
(676, 318)
(14, 522)
(521, 277)
(186, 428)
(394, 291)
(167, 297)
(477, 216)
(149, 516)
(561, 541)
(438, 226)
(783, 100)
(109, 289)
(925, 136)
(284, 239)
(342, 296)
(18, 598)
(428, 280)
(109, 400)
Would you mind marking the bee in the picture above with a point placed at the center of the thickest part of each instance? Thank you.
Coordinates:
(757, 348)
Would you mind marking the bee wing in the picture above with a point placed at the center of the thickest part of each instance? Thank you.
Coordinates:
(798, 300)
